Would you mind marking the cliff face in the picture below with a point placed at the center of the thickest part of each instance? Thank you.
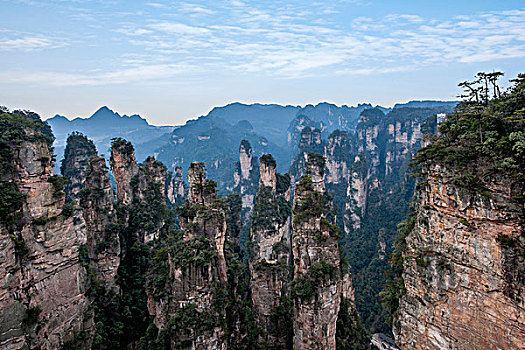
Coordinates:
(245, 178)
(310, 141)
(317, 287)
(42, 297)
(196, 272)
(124, 168)
(138, 185)
(210, 221)
(377, 197)
(269, 253)
(463, 286)
(92, 204)
(339, 153)
(459, 263)
(79, 149)
(176, 189)
(100, 217)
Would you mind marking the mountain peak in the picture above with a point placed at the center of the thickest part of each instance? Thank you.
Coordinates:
(104, 112)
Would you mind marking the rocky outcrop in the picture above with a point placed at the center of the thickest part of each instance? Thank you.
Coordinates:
(464, 277)
(246, 177)
(79, 149)
(317, 287)
(176, 189)
(269, 245)
(100, 217)
(43, 299)
(138, 185)
(339, 152)
(196, 272)
(209, 219)
(124, 168)
(310, 142)
(370, 138)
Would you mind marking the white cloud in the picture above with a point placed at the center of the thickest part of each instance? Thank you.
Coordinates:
(133, 32)
(28, 43)
(178, 28)
(291, 39)
(156, 5)
(121, 76)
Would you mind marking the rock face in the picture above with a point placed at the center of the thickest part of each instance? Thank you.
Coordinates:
(197, 270)
(339, 153)
(79, 149)
(318, 284)
(124, 168)
(209, 222)
(374, 193)
(88, 187)
(100, 217)
(465, 281)
(137, 184)
(269, 242)
(309, 142)
(42, 297)
(246, 177)
(176, 187)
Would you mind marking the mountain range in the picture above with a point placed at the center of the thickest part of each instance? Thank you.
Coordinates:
(214, 138)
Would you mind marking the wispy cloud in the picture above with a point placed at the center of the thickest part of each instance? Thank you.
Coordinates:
(292, 39)
(178, 28)
(141, 72)
(28, 43)
(283, 43)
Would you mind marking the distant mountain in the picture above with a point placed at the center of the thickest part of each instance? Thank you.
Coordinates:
(214, 139)
(105, 124)
(270, 120)
(215, 142)
(428, 104)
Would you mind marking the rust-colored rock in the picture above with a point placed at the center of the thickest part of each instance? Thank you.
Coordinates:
(464, 286)
(39, 255)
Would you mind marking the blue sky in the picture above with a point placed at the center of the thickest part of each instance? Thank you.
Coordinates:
(174, 60)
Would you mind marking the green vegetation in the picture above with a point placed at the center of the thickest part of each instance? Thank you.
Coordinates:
(178, 333)
(58, 183)
(488, 132)
(31, 316)
(269, 210)
(79, 149)
(122, 145)
(350, 332)
(317, 161)
(268, 160)
(394, 288)
(233, 210)
(306, 286)
(123, 319)
(68, 210)
(283, 183)
(372, 116)
(21, 249)
(11, 201)
(315, 204)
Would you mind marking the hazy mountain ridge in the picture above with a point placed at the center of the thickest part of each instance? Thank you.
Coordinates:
(104, 125)
(214, 138)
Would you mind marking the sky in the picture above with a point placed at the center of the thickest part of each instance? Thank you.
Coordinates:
(171, 61)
